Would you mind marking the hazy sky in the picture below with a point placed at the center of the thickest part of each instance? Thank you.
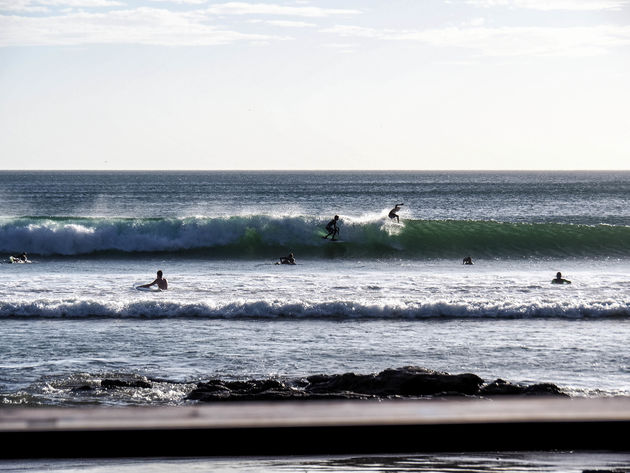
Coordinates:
(299, 84)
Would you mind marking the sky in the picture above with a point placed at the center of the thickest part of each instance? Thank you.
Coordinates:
(315, 84)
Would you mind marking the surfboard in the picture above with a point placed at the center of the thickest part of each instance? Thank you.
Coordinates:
(13, 260)
(148, 289)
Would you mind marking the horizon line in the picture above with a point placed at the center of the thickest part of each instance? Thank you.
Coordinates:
(313, 170)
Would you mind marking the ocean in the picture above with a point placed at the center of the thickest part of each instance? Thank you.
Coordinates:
(385, 295)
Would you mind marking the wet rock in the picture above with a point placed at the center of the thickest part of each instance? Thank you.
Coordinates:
(251, 390)
(544, 389)
(501, 387)
(118, 383)
(407, 381)
(401, 383)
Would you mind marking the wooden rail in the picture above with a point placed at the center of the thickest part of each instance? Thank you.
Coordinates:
(318, 427)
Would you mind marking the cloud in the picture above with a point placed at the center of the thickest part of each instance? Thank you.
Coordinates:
(291, 24)
(244, 8)
(283, 23)
(548, 5)
(258, 8)
(34, 6)
(182, 2)
(134, 26)
(504, 41)
(146, 25)
(342, 47)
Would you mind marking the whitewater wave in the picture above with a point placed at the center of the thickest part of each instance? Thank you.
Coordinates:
(85, 309)
(260, 235)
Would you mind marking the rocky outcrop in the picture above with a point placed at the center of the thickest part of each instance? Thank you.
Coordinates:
(500, 387)
(119, 383)
(408, 382)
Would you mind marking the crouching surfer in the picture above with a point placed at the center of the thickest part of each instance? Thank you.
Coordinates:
(161, 282)
(392, 213)
(332, 228)
(559, 279)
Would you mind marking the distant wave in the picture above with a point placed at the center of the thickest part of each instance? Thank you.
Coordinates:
(260, 235)
(82, 309)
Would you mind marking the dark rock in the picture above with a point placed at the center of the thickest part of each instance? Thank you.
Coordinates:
(404, 382)
(544, 389)
(401, 383)
(500, 387)
(262, 390)
(118, 383)
(256, 386)
(407, 381)
(606, 471)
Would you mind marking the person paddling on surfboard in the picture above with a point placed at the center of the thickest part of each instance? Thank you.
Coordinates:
(332, 228)
(19, 259)
(161, 282)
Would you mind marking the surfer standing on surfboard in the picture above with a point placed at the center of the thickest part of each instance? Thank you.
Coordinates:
(161, 282)
(393, 214)
(332, 228)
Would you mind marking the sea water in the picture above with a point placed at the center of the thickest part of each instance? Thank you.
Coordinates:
(387, 294)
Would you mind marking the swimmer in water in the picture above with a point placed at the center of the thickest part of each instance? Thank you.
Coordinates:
(161, 282)
(559, 280)
(467, 260)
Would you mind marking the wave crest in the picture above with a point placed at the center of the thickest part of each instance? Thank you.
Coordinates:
(304, 310)
(258, 235)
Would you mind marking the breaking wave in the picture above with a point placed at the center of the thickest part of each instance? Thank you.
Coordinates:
(258, 235)
(85, 309)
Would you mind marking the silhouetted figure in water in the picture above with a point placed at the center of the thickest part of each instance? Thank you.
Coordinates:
(22, 257)
(287, 259)
(467, 260)
(559, 280)
(161, 282)
(332, 228)
(393, 214)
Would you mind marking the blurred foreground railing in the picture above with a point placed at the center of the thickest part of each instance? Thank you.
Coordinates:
(318, 427)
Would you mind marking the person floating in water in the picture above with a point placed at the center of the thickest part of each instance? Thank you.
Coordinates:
(393, 214)
(287, 259)
(559, 280)
(332, 228)
(161, 282)
(467, 260)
